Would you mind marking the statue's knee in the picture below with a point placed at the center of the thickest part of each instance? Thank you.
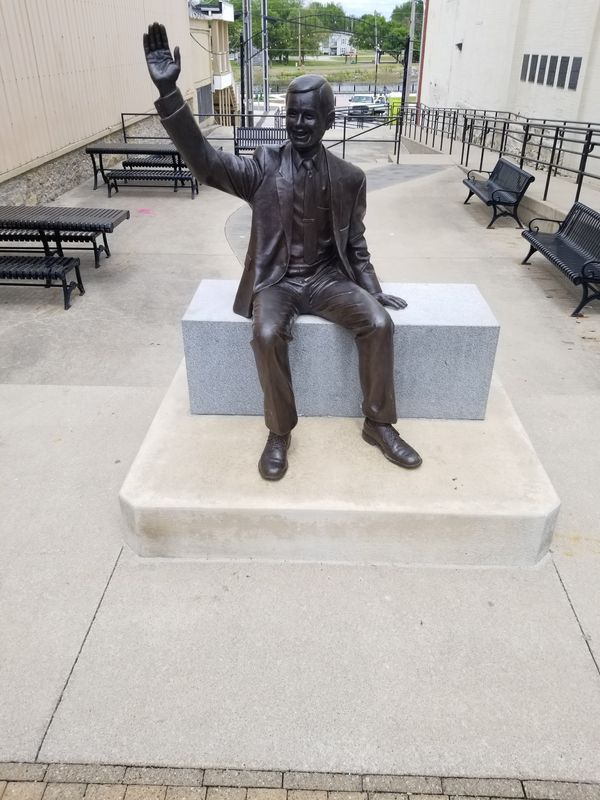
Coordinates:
(267, 335)
(383, 323)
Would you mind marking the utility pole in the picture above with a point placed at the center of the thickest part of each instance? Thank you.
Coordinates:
(265, 53)
(411, 35)
(299, 40)
(242, 81)
(376, 53)
(247, 16)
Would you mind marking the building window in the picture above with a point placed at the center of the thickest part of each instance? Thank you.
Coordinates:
(533, 68)
(552, 70)
(542, 70)
(574, 76)
(562, 72)
(524, 67)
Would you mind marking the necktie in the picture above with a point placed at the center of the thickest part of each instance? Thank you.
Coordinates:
(309, 224)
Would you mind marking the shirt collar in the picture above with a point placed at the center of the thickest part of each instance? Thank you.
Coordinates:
(316, 159)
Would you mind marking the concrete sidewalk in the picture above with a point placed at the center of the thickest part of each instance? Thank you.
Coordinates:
(110, 659)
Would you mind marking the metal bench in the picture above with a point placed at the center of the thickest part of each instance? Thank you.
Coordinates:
(574, 248)
(46, 238)
(135, 162)
(504, 189)
(246, 140)
(51, 270)
(128, 177)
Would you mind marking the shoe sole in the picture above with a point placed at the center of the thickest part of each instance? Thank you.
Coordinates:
(374, 443)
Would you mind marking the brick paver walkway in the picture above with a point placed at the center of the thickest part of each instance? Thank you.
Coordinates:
(34, 781)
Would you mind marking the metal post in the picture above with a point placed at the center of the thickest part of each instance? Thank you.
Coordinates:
(550, 164)
(247, 15)
(265, 53)
(242, 82)
(411, 35)
(587, 149)
(344, 140)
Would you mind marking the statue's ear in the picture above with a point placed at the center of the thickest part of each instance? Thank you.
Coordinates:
(330, 118)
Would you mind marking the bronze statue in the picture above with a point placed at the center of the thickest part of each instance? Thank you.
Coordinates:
(307, 251)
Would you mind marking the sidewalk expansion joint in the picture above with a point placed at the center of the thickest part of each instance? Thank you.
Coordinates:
(82, 645)
(586, 638)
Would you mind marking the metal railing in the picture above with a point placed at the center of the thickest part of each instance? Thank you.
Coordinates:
(556, 147)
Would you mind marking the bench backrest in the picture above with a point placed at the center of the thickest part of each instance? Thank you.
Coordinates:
(582, 228)
(252, 137)
(507, 175)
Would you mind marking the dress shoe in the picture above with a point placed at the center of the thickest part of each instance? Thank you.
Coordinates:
(387, 439)
(273, 462)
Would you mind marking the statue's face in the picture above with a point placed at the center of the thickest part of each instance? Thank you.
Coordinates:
(306, 120)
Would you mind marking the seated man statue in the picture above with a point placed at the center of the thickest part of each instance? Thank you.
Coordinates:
(307, 251)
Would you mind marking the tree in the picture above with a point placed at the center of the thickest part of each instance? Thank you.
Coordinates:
(401, 16)
(369, 30)
(394, 40)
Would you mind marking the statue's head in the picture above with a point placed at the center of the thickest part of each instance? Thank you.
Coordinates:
(310, 111)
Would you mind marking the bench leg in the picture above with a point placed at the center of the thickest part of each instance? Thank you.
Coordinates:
(79, 283)
(106, 247)
(469, 196)
(495, 216)
(67, 289)
(96, 254)
(585, 299)
(532, 250)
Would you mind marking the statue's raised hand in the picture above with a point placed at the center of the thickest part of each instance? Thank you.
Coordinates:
(163, 67)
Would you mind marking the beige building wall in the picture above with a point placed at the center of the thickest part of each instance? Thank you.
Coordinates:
(201, 55)
(475, 48)
(68, 69)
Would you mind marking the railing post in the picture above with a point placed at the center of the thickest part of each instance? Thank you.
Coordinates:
(344, 139)
(525, 140)
(485, 132)
(123, 127)
(539, 155)
(551, 163)
(588, 146)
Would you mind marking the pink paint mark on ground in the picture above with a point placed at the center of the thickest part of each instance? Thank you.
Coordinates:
(147, 211)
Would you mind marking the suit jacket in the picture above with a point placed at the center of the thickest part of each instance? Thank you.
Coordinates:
(265, 181)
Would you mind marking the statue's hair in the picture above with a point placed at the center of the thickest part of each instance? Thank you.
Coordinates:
(314, 83)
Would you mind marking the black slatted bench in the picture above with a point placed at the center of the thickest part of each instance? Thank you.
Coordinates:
(574, 248)
(157, 177)
(43, 272)
(503, 190)
(246, 140)
(136, 162)
(47, 238)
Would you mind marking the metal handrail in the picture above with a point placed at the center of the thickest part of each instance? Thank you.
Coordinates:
(564, 146)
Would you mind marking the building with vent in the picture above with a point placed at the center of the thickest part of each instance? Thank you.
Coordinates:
(539, 58)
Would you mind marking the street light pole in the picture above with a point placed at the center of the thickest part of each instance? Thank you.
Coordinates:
(242, 82)
(265, 53)
(413, 16)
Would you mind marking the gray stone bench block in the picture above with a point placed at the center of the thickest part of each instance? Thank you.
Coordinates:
(444, 345)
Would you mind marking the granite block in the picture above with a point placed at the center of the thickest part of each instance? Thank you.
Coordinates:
(444, 345)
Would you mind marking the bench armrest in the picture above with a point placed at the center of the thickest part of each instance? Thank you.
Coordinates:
(536, 228)
(478, 171)
(591, 270)
(504, 191)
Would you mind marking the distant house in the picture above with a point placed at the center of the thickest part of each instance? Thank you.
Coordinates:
(338, 44)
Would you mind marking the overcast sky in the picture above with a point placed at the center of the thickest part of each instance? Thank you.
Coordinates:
(356, 8)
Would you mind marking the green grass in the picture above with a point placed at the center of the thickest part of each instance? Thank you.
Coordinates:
(334, 69)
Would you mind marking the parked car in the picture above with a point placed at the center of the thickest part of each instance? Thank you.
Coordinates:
(362, 105)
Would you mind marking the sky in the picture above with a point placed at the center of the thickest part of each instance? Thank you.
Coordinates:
(356, 8)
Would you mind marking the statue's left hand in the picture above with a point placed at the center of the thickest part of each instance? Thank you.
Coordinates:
(390, 300)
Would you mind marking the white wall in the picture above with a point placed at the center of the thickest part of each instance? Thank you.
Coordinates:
(495, 34)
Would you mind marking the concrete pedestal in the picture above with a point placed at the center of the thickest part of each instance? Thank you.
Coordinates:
(444, 346)
(481, 496)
